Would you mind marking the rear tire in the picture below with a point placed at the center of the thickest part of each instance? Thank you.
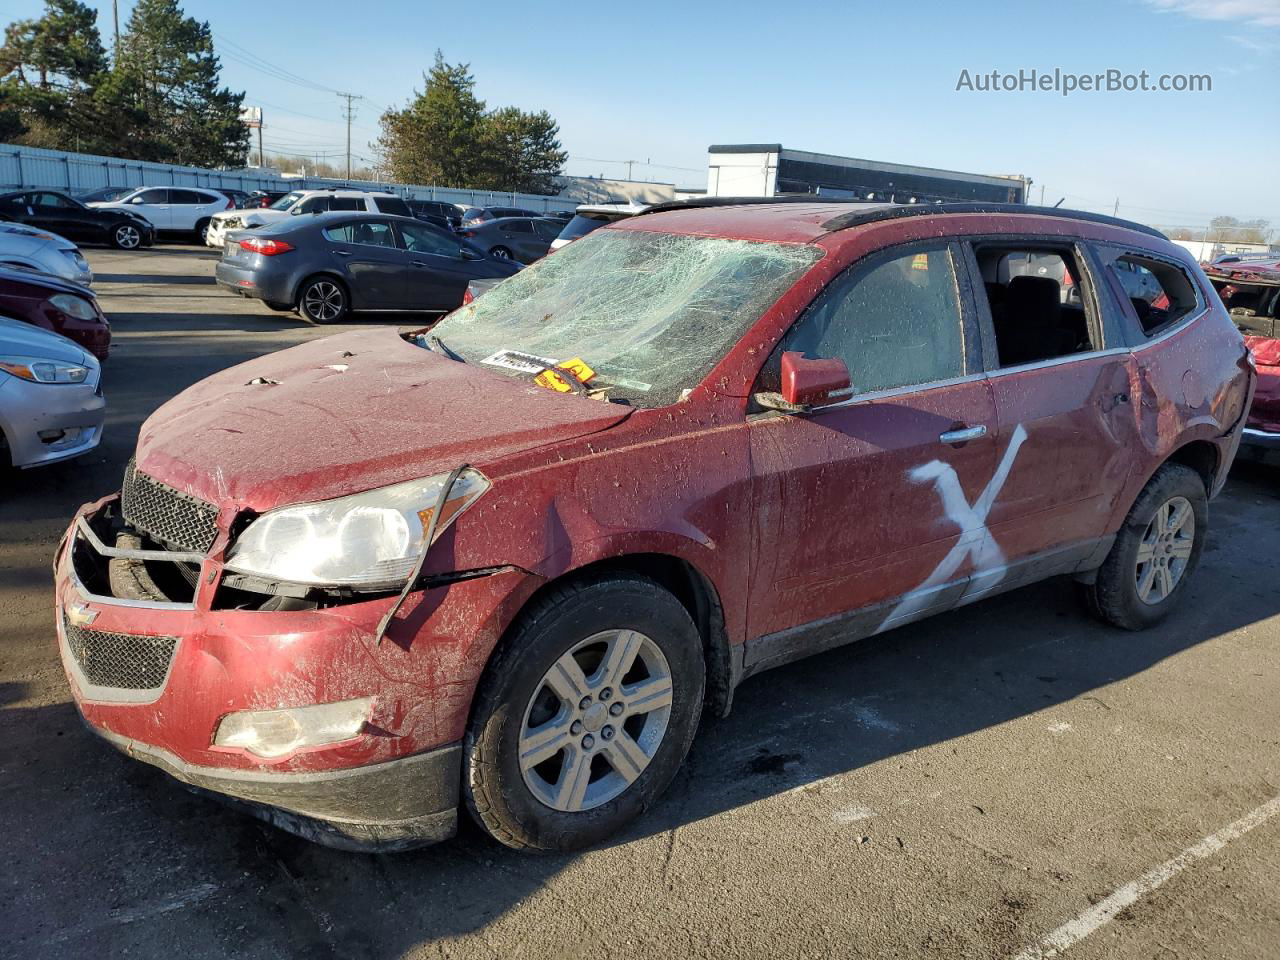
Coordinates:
(126, 236)
(202, 232)
(584, 714)
(1155, 552)
(323, 300)
(501, 253)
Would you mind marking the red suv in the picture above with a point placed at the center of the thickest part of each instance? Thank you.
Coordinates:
(509, 562)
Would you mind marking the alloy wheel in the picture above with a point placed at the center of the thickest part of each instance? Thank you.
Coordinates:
(595, 721)
(323, 301)
(1165, 550)
(500, 253)
(128, 237)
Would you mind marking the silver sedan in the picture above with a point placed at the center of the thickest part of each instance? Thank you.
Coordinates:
(34, 249)
(51, 403)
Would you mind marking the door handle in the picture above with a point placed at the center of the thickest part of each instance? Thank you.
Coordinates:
(419, 263)
(964, 434)
(343, 253)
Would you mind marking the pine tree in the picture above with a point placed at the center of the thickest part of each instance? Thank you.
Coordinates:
(50, 66)
(165, 89)
(437, 137)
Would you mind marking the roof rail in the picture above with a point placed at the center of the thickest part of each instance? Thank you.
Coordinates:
(881, 210)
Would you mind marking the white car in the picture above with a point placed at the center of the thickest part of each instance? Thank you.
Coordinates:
(590, 216)
(301, 202)
(33, 249)
(174, 210)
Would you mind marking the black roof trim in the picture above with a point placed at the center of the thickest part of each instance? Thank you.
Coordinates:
(880, 211)
(745, 148)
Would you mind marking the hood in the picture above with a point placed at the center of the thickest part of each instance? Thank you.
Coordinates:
(17, 233)
(24, 340)
(54, 284)
(253, 218)
(349, 413)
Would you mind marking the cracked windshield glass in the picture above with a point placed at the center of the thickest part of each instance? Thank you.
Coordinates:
(649, 313)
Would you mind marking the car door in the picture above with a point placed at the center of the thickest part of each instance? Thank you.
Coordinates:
(439, 272)
(519, 238)
(377, 268)
(871, 512)
(188, 207)
(1069, 401)
(59, 214)
(153, 204)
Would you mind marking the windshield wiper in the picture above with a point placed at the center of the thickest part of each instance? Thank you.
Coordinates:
(443, 347)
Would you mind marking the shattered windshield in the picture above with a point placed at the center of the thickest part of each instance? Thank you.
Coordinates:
(649, 313)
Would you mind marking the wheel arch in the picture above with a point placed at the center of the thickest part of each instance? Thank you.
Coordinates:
(689, 585)
(323, 272)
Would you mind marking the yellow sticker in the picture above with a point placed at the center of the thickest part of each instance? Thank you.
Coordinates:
(576, 367)
(920, 261)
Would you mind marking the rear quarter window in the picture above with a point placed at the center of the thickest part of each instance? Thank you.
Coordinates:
(1157, 293)
(393, 205)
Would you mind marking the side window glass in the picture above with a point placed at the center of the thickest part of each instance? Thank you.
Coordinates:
(1159, 293)
(312, 205)
(51, 200)
(338, 234)
(518, 226)
(423, 240)
(346, 203)
(372, 234)
(154, 196)
(896, 324)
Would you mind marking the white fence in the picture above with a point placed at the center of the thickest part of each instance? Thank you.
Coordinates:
(24, 168)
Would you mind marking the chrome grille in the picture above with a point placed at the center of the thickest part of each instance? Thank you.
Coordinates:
(166, 514)
(120, 660)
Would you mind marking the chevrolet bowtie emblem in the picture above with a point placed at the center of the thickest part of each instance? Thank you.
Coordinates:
(79, 615)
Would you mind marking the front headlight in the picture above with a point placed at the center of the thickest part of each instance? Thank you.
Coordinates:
(369, 540)
(273, 733)
(39, 370)
(74, 306)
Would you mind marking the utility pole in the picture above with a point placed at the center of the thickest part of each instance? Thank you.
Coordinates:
(115, 16)
(1042, 194)
(1115, 212)
(629, 163)
(262, 157)
(349, 113)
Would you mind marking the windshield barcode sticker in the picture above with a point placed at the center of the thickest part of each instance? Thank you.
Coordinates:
(515, 360)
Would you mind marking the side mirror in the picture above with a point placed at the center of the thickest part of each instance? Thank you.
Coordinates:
(813, 383)
(136, 200)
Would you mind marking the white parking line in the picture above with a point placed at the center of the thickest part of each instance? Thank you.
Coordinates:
(1073, 931)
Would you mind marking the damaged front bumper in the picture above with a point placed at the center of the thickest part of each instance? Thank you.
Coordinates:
(157, 677)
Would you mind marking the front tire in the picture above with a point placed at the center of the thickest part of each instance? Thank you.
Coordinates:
(501, 253)
(1155, 552)
(323, 300)
(125, 236)
(584, 715)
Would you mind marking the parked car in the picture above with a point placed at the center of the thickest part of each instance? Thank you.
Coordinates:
(472, 216)
(105, 194)
(238, 197)
(479, 287)
(57, 305)
(58, 213)
(173, 211)
(563, 216)
(263, 198)
(328, 265)
(508, 563)
(514, 238)
(438, 212)
(305, 202)
(51, 403)
(1262, 433)
(32, 249)
(592, 216)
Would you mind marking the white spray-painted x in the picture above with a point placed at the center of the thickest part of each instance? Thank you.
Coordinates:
(975, 540)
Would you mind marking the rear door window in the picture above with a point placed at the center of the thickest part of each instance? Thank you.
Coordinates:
(369, 233)
(188, 198)
(895, 322)
(518, 226)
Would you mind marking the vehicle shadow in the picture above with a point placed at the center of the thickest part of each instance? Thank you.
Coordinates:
(931, 683)
(155, 278)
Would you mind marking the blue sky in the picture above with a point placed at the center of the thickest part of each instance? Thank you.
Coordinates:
(660, 81)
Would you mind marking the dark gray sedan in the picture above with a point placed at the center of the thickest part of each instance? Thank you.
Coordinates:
(329, 264)
(515, 238)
